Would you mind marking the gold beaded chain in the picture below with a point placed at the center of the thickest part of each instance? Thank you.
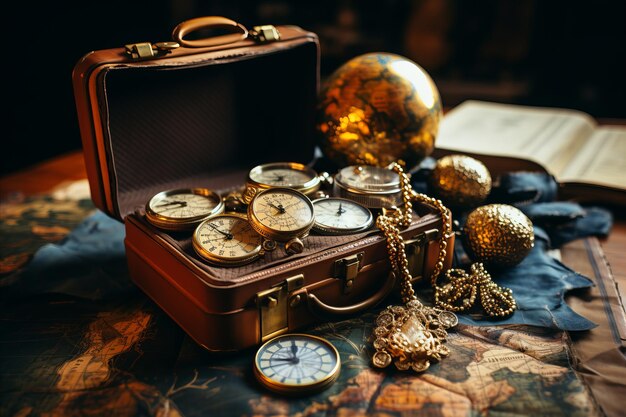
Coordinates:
(411, 336)
(460, 289)
(390, 222)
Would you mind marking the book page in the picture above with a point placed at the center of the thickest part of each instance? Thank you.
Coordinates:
(549, 137)
(601, 160)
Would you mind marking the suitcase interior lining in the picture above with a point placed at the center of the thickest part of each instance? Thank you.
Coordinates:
(180, 125)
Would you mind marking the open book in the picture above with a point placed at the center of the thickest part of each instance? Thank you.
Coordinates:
(589, 161)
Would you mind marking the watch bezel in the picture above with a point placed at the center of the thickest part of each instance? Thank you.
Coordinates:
(283, 388)
(280, 235)
(382, 189)
(222, 260)
(330, 230)
(187, 223)
(389, 194)
(309, 187)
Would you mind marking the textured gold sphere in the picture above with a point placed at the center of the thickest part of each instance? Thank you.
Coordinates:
(376, 109)
(498, 235)
(460, 180)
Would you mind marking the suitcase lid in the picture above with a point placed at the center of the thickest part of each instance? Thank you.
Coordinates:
(180, 114)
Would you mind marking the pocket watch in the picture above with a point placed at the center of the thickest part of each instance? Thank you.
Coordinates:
(227, 240)
(281, 174)
(183, 209)
(297, 364)
(374, 187)
(340, 216)
(283, 215)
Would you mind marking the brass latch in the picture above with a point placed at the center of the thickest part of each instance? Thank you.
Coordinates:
(273, 307)
(265, 33)
(347, 269)
(416, 249)
(144, 50)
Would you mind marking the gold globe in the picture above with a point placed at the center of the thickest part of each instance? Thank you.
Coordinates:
(498, 235)
(376, 109)
(460, 180)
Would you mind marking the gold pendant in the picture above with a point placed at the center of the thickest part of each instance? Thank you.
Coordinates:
(411, 336)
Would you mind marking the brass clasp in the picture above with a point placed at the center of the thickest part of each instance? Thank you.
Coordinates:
(265, 33)
(347, 269)
(143, 50)
(416, 249)
(273, 307)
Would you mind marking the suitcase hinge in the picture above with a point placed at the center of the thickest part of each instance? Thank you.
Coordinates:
(415, 250)
(144, 50)
(265, 33)
(347, 269)
(273, 307)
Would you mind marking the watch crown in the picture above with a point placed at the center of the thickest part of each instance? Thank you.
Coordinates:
(294, 246)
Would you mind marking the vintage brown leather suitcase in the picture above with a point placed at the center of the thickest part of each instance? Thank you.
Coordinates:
(162, 116)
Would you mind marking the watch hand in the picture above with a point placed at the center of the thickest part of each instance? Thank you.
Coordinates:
(341, 210)
(228, 236)
(180, 203)
(279, 207)
(168, 209)
(294, 352)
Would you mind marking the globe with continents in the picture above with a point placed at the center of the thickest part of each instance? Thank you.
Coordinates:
(378, 108)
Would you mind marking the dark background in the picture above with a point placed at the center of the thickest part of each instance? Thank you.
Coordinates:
(551, 53)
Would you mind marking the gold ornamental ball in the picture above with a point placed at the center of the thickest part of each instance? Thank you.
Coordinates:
(498, 235)
(460, 180)
(376, 109)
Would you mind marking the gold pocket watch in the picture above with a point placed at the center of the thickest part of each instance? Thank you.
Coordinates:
(227, 240)
(281, 174)
(282, 215)
(297, 364)
(340, 216)
(372, 186)
(183, 209)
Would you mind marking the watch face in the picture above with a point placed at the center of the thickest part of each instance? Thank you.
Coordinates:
(368, 178)
(373, 187)
(227, 239)
(297, 363)
(182, 205)
(283, 210)
(282, 174)
(341, 216)
(182, 208)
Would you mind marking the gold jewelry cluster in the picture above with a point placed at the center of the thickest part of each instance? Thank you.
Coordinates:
(412, 336)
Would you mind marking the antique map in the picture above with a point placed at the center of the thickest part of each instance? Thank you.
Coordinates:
(130, 361)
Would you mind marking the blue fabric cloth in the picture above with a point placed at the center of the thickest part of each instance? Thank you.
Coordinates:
(539, 284)
(89, 263)
(565, 222)
(524, 188)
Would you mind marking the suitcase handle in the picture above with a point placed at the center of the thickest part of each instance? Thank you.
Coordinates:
(323, 310)
(206, 22)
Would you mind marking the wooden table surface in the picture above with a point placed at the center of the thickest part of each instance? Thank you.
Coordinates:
(51, 174)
